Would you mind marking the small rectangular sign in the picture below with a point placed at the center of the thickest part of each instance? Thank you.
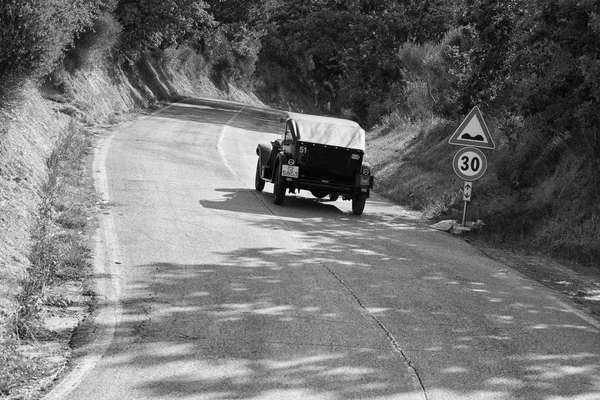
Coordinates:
(467, 191)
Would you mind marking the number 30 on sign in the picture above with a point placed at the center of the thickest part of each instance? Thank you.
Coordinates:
(469, 164)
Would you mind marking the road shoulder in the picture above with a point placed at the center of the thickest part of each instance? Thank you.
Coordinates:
(579, 283)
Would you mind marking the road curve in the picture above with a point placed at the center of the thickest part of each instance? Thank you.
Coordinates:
(215, 293)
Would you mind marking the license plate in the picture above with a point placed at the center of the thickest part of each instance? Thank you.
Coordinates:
(289, 171)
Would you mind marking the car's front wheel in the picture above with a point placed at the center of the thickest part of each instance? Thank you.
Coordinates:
(259, 183)
(279, 188)
(358, 204)
(334, 196)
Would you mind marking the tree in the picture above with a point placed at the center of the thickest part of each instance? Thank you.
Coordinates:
(489, 27)
(234, 11)
(35, 33)
(158, 24)
(340, 53)
(566, 49)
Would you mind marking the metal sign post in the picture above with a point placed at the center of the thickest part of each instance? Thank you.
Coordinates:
(466, 198)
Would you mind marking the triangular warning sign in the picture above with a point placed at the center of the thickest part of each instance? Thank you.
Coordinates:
(473, 132)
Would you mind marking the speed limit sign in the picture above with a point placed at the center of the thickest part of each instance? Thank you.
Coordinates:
(469, 164)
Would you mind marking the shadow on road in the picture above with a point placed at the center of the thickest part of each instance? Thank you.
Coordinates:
(237, 331)
(237, 200)
(263, 323)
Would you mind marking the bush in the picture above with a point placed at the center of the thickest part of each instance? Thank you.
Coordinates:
(432, 88)
(565, 238)
(233, 52)
(159, 24)
(34, 35)
(95, 44)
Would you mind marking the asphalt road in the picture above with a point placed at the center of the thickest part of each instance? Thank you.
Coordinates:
(213, 292)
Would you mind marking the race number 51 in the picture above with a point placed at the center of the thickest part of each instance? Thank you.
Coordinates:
(469, 164)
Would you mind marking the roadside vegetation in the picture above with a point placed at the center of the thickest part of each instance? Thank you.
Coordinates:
(411, 71)
(57, 278)
(533, 72)
(408, 71)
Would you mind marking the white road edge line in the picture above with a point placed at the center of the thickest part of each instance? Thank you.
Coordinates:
(109, 284)
(220, 141)
(590, 320)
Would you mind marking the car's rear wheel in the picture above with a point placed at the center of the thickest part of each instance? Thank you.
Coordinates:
(334, 197)
(259, 183)
(279, 188)
(358, 204)
(317, 194)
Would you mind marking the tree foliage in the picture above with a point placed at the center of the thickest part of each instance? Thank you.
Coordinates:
(539, 60)
(158, 24)
(236, 11)
(342, 54)
(35, 33)
(534, 59)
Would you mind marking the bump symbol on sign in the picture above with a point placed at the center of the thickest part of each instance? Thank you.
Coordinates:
(473, 132)
(468, 136)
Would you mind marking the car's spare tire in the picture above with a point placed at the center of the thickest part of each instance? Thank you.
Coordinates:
(318, 195)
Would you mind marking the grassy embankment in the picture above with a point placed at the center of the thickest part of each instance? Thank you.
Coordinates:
(540, 191)
(556, 215)
(48, 203)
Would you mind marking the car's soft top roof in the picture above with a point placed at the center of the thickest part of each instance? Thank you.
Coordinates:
(330, 131)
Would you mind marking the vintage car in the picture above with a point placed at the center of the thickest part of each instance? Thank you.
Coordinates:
(320, 154)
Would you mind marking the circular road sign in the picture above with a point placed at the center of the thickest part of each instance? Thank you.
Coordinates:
(469, 164)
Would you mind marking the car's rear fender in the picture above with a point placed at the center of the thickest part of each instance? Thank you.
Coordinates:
(263, 151)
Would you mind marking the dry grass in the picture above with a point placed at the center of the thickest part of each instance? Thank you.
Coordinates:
(30, 128)
(58, 256)
(59, 250)
(409, 172)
